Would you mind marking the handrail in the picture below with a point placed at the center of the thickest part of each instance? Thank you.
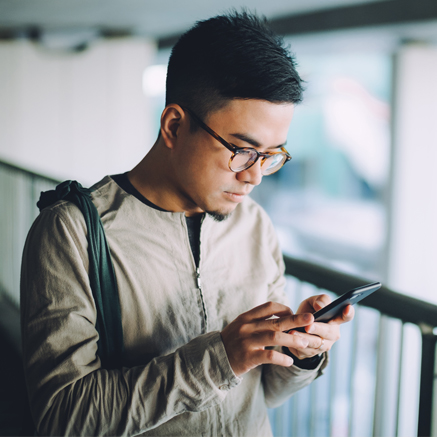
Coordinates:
(388, 302)
(15, 167)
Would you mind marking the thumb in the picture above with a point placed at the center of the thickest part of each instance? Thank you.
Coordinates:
(320, 302)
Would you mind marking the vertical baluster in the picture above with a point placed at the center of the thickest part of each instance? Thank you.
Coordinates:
(427, 380)
(279, 422)
(434, 390)
(294, 404)
(313, 413)
(377, 417)
(332, 385)
(312, 417)
(401, 361)
(354, 353)
(330, 391)
(387, 378)
(295, 415)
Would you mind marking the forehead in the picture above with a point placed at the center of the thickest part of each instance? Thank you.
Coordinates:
(265, 122)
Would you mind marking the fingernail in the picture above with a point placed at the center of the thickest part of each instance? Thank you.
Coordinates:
(319, 303)
(304, 343)
(307, 317)
(289, 361)
(310, 329)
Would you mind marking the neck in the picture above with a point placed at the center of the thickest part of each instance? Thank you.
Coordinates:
(154, 177)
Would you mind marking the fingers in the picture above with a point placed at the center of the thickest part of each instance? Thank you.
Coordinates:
(279, 338)
(348, 314)
(322, 336)
(321, 301)
(272, 357)
(283, 323)
(316, 346)
(266, 310)
(314, 303)
(246, 338)
(314, 341)
(324, 329)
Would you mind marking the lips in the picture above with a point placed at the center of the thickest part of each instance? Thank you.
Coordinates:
(239, 193)
(235, 197)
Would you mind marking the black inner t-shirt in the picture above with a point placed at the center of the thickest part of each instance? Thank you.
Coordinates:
(193, 223)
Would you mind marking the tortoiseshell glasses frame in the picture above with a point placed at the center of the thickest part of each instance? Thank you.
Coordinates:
(243, 158)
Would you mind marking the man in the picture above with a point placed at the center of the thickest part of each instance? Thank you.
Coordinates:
(198, 267)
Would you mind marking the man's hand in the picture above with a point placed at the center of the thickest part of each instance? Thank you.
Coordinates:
(320, 336)
(247, 337)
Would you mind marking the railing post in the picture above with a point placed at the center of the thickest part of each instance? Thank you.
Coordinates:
(429, 340)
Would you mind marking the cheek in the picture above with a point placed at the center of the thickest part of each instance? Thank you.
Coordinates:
(212, 179)
(203, 168)
(211, 169)
(212, 155)
(200, 176)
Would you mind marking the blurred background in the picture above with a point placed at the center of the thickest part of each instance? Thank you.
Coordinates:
(81, 92)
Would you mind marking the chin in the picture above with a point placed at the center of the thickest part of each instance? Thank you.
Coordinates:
(219, 216)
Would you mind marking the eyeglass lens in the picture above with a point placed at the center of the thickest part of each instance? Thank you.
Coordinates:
(246, 158)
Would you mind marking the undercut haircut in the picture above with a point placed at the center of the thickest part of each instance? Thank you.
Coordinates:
(232, 56)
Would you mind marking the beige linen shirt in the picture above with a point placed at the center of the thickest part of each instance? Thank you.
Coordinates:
(176, 378)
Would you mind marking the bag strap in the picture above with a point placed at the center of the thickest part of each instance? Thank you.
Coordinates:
(101, 272)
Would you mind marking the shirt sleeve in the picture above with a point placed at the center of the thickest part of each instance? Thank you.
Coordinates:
(70, 393)
(282, 382)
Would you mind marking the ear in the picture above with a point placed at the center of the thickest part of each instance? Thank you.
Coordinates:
(172, 119)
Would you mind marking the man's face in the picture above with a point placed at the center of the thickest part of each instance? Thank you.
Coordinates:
(203, 179)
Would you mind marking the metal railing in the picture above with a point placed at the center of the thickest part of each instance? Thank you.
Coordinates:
(392, 316)
(19, 192)
(366, 389)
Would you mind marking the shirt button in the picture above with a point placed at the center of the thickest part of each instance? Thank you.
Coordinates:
(224, 387)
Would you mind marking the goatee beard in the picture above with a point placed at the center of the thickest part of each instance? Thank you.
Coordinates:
(218, 216)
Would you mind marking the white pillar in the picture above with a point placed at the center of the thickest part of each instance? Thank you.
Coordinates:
(413, 226)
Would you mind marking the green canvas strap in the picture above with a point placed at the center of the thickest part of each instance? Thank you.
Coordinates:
(101, 272)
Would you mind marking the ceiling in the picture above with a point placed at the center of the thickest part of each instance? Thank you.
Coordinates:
(152, 18)
(74, 23)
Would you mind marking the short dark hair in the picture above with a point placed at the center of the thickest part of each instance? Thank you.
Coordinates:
(232, 56)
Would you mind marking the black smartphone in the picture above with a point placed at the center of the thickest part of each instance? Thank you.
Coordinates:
(335, 308)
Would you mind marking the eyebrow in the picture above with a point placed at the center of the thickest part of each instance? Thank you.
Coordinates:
(253, 142)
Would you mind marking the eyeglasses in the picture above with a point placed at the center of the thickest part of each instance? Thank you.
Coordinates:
(245, 157)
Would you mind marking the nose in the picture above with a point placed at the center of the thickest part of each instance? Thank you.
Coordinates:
(251, 175)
